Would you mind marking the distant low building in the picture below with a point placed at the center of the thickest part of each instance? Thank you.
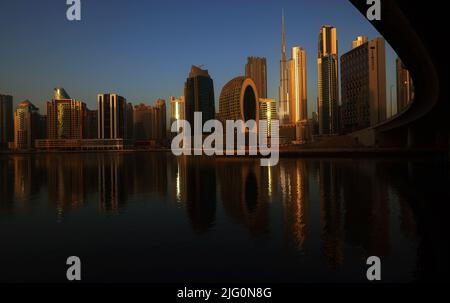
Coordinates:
(6, 120)
(81, 144)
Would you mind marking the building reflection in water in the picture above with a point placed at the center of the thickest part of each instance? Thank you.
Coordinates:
(341, 203)
(294, 182)
(331, 213)
(244, 193)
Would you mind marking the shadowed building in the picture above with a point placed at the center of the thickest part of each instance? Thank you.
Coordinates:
(363, 86)
(6, 120)
(130, 123)
(199, 95)
(160, 120)
(150, 122)
(142, 118)
(405, 86)
(328, 91)
(90, 129)
(112, 116)
(256, 68)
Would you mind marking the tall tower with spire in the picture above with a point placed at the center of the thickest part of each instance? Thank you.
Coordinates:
(283, 88)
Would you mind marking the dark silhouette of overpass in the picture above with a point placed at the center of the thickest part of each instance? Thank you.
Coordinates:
(408, 26)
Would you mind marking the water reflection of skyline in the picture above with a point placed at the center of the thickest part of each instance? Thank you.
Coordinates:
(359, 203)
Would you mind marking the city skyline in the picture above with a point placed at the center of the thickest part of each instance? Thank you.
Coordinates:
(156, 78)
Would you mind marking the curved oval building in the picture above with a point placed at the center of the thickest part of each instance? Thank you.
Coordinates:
(239, 100)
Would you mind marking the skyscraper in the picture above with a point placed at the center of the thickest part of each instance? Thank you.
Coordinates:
(142, 120)
(283, 88)
(405, 86)
(360, 40)
(65, 116)
(239, 100)
(6, 120)
(90, 128)
(130, 123)
(160, 120)
(298, 107)
(112, 116)
(199, 95)
(256, 68)
(177, 109)
(328, 70)
(267, 112)
(26, 125)
(363, 86)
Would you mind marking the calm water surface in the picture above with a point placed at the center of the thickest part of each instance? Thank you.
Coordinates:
(151, 217)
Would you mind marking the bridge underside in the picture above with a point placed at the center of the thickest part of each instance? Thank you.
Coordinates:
(426, 123)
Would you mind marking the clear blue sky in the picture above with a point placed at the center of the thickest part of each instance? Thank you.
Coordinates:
(143, 49)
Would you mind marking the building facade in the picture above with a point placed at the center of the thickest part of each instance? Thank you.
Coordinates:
(360, 40)
(283, 94)
(142, 122)
(405, 86)
(363, 86)
(112, 116)
(256, 68)
(26, 126)
(177, 109)
(239, 100)
(298, 107)
(90, 128)
(328, 91)
(199, 95)
(6, 120)
(267, 112)
(65, 117)
(160, 120)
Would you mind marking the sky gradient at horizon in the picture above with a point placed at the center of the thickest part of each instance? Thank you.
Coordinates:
(143, 50)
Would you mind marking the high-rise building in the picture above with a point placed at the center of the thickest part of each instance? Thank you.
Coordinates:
(363, 86)
(160, 120)
(150, 122)
(199, 95)
(65, 117)
(26, 125)
(90, 128)
(283, 87)
(328, 91)
(6, 120)
(267, 112)
(405, 86)
(142, 120)
(130, 122)
(177, 109)
(256, 68)
(112, 116)
(298, 107)
(239, 100)
(360, 40)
